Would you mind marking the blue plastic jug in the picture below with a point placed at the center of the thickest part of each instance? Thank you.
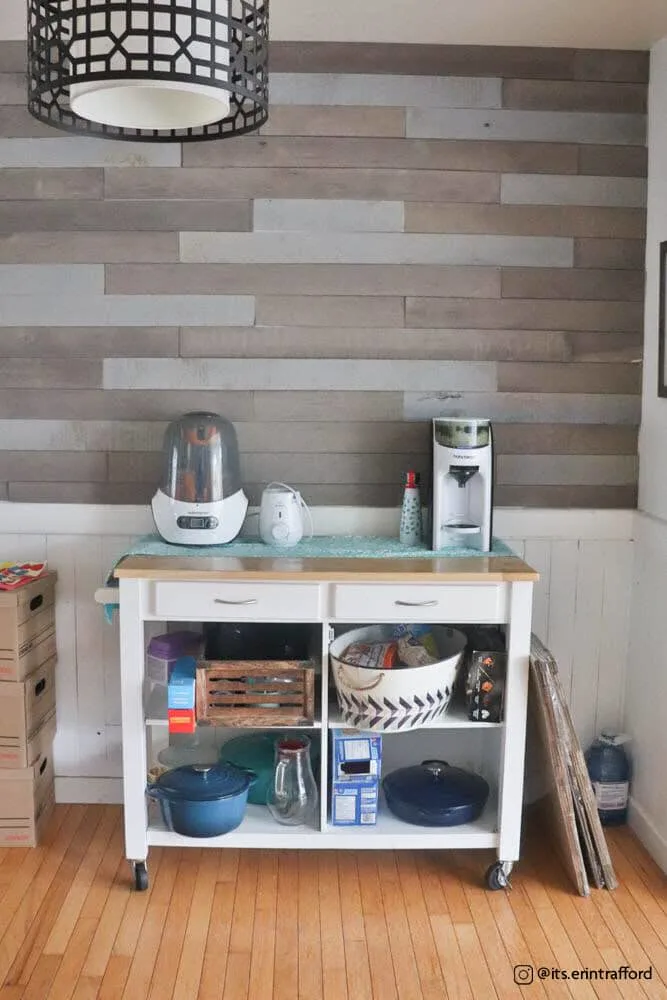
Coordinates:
(609, 770)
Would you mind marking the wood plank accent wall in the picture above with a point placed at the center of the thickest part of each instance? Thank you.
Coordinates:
(419, 230)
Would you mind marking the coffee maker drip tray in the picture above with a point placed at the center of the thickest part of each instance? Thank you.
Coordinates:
(463, 527)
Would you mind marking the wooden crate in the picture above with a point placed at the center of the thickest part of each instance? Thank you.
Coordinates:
(255, 692)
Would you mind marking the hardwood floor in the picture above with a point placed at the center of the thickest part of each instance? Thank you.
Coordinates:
(279, 925)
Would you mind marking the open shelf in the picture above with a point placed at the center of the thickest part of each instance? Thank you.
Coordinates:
(392, 833)
(156, 713)
(454, 718)
(260, 830)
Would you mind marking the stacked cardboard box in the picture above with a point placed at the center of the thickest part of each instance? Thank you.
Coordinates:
(27, 710)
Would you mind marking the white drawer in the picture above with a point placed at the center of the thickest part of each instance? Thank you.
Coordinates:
(228, 601)
(445, 602)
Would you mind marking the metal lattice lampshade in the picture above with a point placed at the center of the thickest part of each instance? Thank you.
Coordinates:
(173, 70)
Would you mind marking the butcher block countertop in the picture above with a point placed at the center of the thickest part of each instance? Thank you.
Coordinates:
(445, 569)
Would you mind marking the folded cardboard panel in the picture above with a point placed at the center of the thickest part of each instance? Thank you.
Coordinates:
(39, 743)
(24, 705)
(29, 654)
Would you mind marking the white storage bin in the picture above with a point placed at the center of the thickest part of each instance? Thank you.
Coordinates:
(400, 698)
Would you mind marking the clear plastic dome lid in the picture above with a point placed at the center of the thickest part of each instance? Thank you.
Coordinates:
(201, 459)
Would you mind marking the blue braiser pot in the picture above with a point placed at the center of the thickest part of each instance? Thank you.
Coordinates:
(434, 793)
(200, 801)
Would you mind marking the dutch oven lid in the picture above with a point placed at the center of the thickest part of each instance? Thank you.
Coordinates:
(434, 786)
(202, 783)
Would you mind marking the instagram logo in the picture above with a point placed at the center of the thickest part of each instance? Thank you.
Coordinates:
(523, 975)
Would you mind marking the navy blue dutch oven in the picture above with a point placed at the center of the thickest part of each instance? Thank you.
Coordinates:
(201, 801)
(435, 794)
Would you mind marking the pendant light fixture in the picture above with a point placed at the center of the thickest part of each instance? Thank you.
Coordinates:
(154, 70)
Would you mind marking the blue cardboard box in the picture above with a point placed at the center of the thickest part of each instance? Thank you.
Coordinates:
(356, 753)
(356, 767)
(181, 696)
(354, 802)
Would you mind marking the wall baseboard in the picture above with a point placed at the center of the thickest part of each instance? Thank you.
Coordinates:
(648, 833)
(107, 791)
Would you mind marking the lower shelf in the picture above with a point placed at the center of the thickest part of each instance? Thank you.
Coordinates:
(260, 830)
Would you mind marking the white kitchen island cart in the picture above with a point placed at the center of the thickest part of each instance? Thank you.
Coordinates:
(328, 594)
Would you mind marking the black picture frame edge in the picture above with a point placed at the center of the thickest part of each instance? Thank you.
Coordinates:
(662, 318)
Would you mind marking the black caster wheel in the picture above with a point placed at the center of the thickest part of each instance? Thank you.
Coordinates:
(497, 877)
(140, 876)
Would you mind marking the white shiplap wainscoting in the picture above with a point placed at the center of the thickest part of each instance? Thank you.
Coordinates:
(581, 612)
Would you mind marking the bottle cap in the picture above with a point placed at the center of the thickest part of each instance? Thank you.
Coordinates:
(411, 478)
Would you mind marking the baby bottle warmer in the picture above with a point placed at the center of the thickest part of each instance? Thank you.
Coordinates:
(462, 483)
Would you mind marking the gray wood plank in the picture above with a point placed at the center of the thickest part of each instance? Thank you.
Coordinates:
(333, 151)
(86, 152)
(50, 373)
(12, 87)
(613, 161)
(540, 314)
(296, 182)
(128, 310)
(303, 120)
(567, 470)
(386, 90)
(95, 493)
(373, 342)
(567, 497)
(575, 95)
(44, 185)
(564, 439)
(328, 406)
(88, 342)
(612, 379)
(303, 279)
(82, 436)
(525, 220)
(46, 406)
(439, 60)
(53, 466)
(12, 56)
(330, 310)
(526, 126)
(536, 407)
(609, 253)
(578, 283)
(79, 248)
(327, 215)
(149, 216)
(49, 280)
(605, 64)
(296, 374)
(375, 248)
(622, 192)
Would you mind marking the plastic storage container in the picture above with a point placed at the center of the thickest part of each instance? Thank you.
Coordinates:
(609, 770)
(164, 650)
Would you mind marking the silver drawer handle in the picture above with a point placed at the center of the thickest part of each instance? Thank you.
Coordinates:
(416, 604)
(249, 600)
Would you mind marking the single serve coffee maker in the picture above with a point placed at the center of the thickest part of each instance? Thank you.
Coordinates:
(462, 483)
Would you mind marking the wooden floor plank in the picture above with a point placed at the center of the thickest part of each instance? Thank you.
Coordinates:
(310, 941)
(334, 978)
(286, 970)
(260, 982)
(173, 935)
(287, 925)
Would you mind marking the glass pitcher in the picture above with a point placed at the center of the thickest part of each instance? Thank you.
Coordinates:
(293, 796)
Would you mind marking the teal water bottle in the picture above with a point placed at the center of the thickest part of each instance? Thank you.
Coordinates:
(410, 529)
